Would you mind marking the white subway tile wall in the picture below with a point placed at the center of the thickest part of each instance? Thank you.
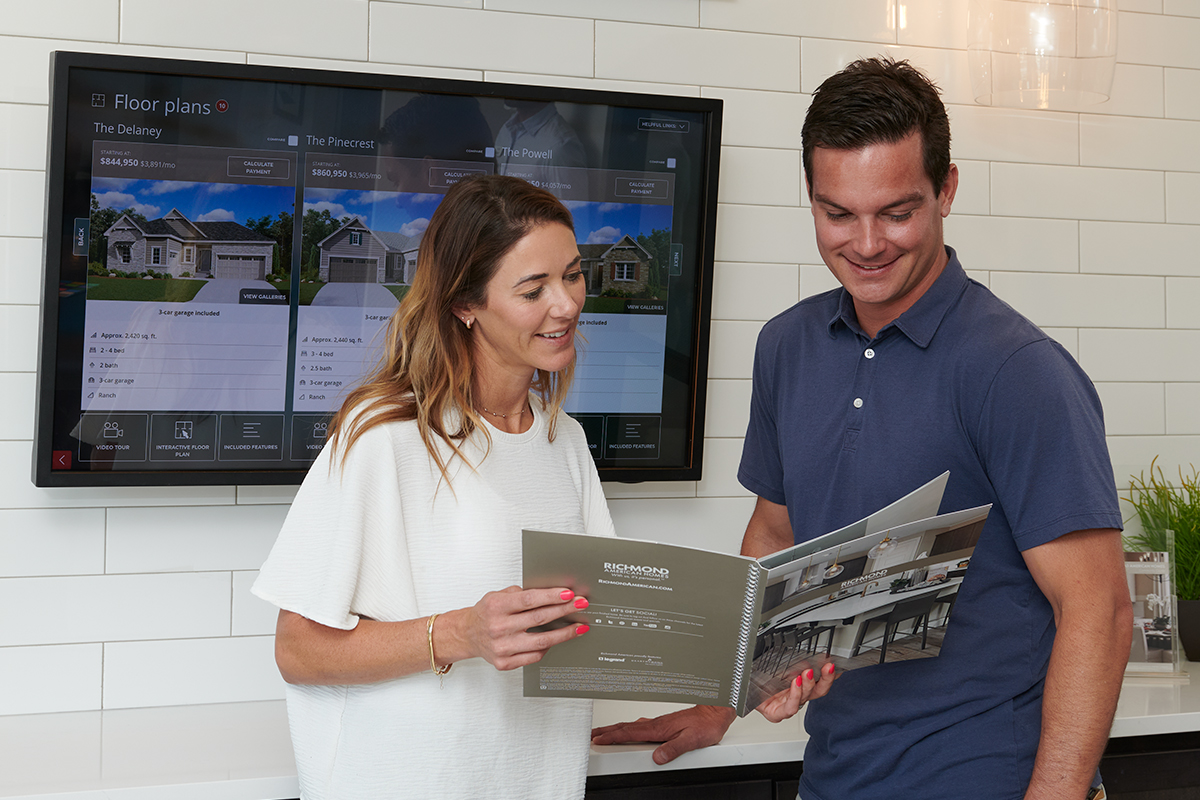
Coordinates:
(377, 67)
(94, 20)
(1030, 190)
(1159, 39)
(753, 291)
(932, 23)
(599, 84)
(177, 672)
(1181, 89)
(1018, 244)
(729, 354)
(1051, 300)
(1183, 303)
(1129, 248)
(1088, 223)
(774, 234)
(760, 119)
(1149, 6)
(872, 20)
(51, 541)
(1010, 134)
(17, 423)
(974, 188)
(52, 678)
(721, 457)
(1184, 8)
(1183, 399)
(106, 608)
(1134, 142)
(660, 12)
(697, 55)
(760, 176)
(22, 195)
(403, 33)
(1138, 91)
(20, 271)
(265, 26)
(23, 152)
(728, 411)
(1183, 198)
(251, 616)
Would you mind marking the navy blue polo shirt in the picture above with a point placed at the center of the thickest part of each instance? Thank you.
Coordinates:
(842, 425)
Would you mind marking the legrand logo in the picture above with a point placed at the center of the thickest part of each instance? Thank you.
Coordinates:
(637, 569)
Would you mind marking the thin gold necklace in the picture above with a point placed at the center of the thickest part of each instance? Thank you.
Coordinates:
(503, 416)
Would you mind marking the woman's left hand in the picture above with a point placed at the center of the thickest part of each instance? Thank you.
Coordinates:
(808, 685)
(501, 627)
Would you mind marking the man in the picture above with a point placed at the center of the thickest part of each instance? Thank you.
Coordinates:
(866, 392)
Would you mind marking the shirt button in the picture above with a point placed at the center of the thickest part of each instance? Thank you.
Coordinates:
(869, 353)
(858, 402)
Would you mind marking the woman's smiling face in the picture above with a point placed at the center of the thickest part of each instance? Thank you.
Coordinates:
(528, 319)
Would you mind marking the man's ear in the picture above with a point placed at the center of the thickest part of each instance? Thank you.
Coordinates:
(949, 188)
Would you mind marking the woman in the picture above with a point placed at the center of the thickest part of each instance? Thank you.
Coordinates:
(392, 563)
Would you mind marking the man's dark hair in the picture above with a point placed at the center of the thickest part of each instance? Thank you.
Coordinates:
(874, 101)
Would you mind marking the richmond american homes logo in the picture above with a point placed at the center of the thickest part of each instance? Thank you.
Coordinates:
(642, 571)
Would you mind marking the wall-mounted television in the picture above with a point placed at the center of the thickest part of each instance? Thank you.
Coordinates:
(224, 244)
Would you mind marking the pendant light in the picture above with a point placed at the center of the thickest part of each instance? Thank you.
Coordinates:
(835, 568)
(805, 578)
(881, 547)
(1057, 55)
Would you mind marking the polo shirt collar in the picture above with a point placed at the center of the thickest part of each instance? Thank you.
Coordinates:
(920, 322)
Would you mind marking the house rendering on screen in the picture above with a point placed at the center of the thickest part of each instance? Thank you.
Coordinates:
(175, 245)
(623, 265)
(355, 253)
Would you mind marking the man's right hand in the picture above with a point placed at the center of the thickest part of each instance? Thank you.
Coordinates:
(679, 732)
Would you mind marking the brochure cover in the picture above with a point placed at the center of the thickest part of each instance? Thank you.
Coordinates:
(679, 624)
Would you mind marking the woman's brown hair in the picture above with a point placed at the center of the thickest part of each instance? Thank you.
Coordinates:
(427, 367)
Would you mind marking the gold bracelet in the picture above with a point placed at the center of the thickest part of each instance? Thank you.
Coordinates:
(439, 671)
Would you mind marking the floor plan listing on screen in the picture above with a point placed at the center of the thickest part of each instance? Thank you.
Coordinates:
(365, 258)
(191, 310)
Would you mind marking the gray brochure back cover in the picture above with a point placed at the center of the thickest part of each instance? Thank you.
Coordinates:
(667, 623)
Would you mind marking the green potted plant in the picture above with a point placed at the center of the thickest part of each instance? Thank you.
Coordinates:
(1162, 506)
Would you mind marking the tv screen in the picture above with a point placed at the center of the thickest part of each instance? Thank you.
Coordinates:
(225, 243)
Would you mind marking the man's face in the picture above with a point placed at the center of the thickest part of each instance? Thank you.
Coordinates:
(879, 225)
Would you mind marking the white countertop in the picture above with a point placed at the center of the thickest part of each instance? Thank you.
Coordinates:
(241, 751)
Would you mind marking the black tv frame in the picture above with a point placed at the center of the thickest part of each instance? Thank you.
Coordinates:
(55, 241)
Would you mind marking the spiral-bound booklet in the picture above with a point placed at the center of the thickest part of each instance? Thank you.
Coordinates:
(679, 624)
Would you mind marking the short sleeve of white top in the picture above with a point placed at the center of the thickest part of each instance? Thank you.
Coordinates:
(381, 535)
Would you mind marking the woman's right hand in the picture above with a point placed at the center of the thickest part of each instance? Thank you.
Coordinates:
(496, 628)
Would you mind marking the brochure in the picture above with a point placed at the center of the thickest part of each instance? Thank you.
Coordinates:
(680, 624)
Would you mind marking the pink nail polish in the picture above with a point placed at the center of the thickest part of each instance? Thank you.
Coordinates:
(582, 629)
(808, 676)
(799, 681)
(581, 602)
(566, 594)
